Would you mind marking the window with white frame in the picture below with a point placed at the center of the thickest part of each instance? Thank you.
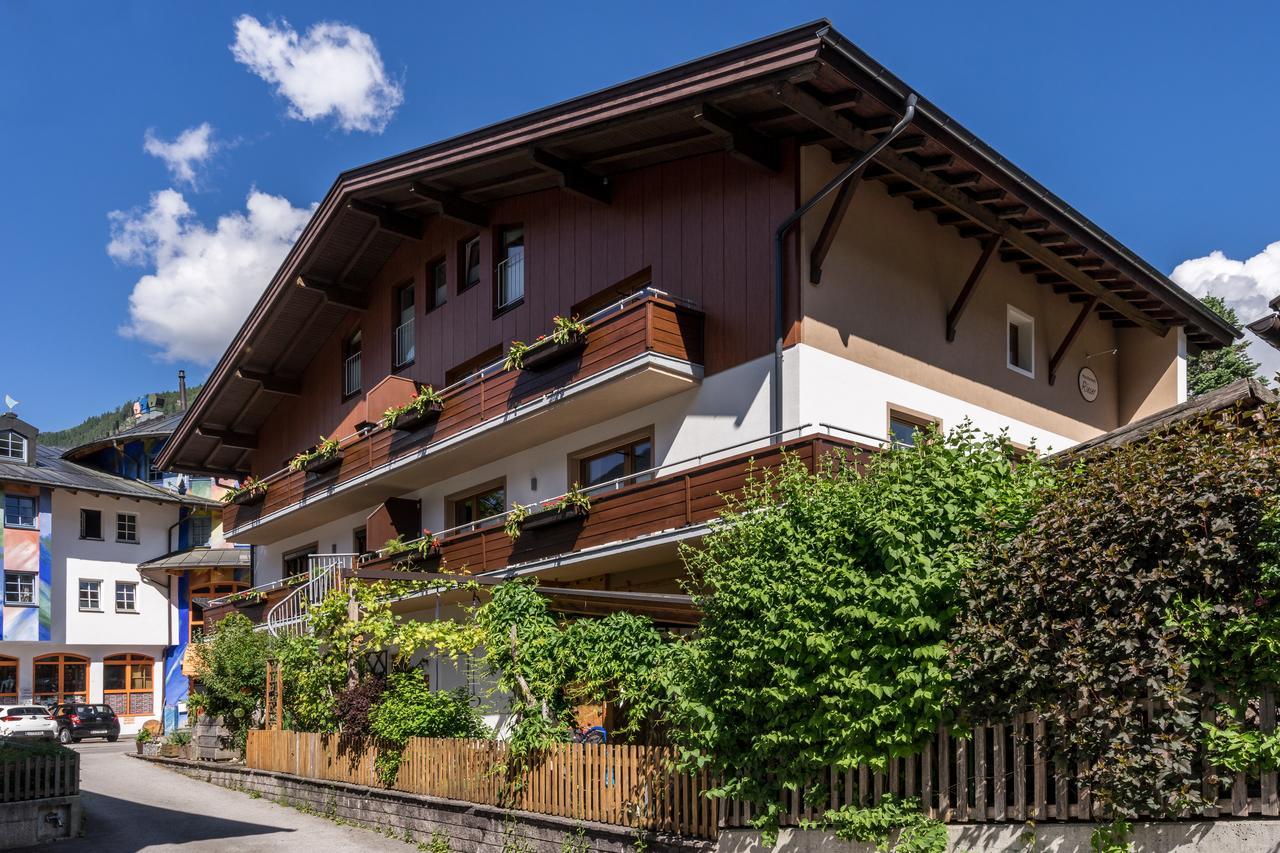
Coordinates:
(90, 595)
(126, 597)
(13, 445)
(126, 527)
(20, 511)
(90, 524)
(19, 588)
(1021, 341)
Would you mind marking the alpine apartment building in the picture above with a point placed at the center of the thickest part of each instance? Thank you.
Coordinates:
(91, 613)
(724, 320)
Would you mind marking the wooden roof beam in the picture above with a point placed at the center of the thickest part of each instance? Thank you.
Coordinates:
(740, 140)
(271, 383)
(237, 440)
(389, 221)
(970, 285)
(1072, 334)
(827, 236)
(572, 177)
(334, 293)
(452, 206)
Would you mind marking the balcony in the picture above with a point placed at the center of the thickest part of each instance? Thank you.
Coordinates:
(643, 349)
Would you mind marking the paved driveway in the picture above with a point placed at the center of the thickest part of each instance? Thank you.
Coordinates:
(133, 806)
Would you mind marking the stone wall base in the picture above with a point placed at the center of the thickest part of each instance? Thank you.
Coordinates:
(30, 822)
(416, 818)
(1243, 835)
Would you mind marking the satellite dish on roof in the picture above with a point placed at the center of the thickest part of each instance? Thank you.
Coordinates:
(10, 402)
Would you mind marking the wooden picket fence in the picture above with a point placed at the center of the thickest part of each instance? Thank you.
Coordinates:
(623, 785)
(28, 774)
(991, 773)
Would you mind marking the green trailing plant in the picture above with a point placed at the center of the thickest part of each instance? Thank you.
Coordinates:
(1114, 837)
(247, 488)
(180, 737)
(827, 600)
(575, 498)
(1145, 579)
(424, 400)
(893, 825)
(515, 517)
(515, 355)
(231, 666)
(564, 330)
(326, 448)
(1234, 746)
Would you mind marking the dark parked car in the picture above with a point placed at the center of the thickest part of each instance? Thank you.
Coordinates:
(81, 721)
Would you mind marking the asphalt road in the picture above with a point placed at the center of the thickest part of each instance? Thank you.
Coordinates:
(133, 806)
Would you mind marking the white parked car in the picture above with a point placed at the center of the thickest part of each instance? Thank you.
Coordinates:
(23, 721)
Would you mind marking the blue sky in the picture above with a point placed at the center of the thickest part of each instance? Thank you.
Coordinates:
(1154, 119)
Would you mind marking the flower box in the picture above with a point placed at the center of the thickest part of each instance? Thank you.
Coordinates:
(548, 355)
(322, 464)
(414, 420)
(151, 747)
(169, 750)
(250, 498)
(552, 516)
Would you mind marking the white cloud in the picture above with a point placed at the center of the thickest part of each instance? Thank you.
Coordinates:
(183, 155)
(203, 281)
(334, 69)
(1247, 286)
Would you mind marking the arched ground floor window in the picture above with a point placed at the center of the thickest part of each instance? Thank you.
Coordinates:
(8, 680)
(60, 678)
(127, 684)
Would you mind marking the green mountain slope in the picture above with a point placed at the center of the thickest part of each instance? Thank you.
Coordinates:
(103, 425)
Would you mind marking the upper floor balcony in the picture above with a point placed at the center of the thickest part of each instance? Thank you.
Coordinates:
(641, 349)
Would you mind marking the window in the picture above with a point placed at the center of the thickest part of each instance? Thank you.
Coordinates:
(201, 530)
(297, 562)
(90, 524)
(8, 680)
(483, 502)
(403, 333)
(461, 371)
(1022, 342)
(90, 595)
(437, 284)
(13, 445)
(903, 426)
(195, 623)
(351, 381)
(508, 284)
(469, 263)
(360, 541)
(126, 597)
(19, 588)
(60, 678)
(127, 527)
(602, 464)
(127, 684)
(20, 511)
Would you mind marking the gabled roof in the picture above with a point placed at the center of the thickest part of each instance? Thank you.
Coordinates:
(52, 470)
(808, 83)
(151, 428)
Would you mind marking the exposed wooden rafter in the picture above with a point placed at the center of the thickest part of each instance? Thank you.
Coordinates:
(452, 206)
(832, 224)
(740, 140)
(806, 105)
(337, 294)
(1072, 333)
(390, 221)
(271, 383)
(238, 440)
(970, 285)
(572, 177)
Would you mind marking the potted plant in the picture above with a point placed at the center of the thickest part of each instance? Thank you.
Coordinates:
(567, 339)
(141, 739)
(425, 406)
(325, 456)
(572, 504)
(248, 493)
(177, 745)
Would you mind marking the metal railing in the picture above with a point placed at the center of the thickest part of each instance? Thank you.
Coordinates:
(351, 374)
(510, 280)
(289, 616)
(405, 341)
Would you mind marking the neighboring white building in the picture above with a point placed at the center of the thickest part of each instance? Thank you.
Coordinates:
(80, 622)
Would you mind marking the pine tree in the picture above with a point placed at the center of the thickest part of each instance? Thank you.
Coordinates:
(1212, 369)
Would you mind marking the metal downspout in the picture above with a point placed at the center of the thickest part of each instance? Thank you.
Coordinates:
(790, 222)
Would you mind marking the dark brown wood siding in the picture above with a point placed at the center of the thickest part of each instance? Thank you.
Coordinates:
(703, 226)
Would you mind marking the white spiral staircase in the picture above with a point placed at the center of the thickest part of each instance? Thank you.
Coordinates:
(288, 617)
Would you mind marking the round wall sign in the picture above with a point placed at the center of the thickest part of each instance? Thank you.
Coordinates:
(1088, 382)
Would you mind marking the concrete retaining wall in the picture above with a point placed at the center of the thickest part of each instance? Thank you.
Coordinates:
(468, 827)
(29, 822)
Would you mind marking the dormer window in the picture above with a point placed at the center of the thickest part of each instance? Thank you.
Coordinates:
(13, 446)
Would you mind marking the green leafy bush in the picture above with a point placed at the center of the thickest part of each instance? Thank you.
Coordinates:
(408, 708)
(915, 833)
(231, 672)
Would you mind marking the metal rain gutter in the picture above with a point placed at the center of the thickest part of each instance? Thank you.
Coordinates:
(790, 222)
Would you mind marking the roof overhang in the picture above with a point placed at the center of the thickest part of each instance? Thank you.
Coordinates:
(195, 559)
(748, 100)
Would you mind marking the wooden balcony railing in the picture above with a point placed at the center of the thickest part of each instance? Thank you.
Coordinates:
(650, 324)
